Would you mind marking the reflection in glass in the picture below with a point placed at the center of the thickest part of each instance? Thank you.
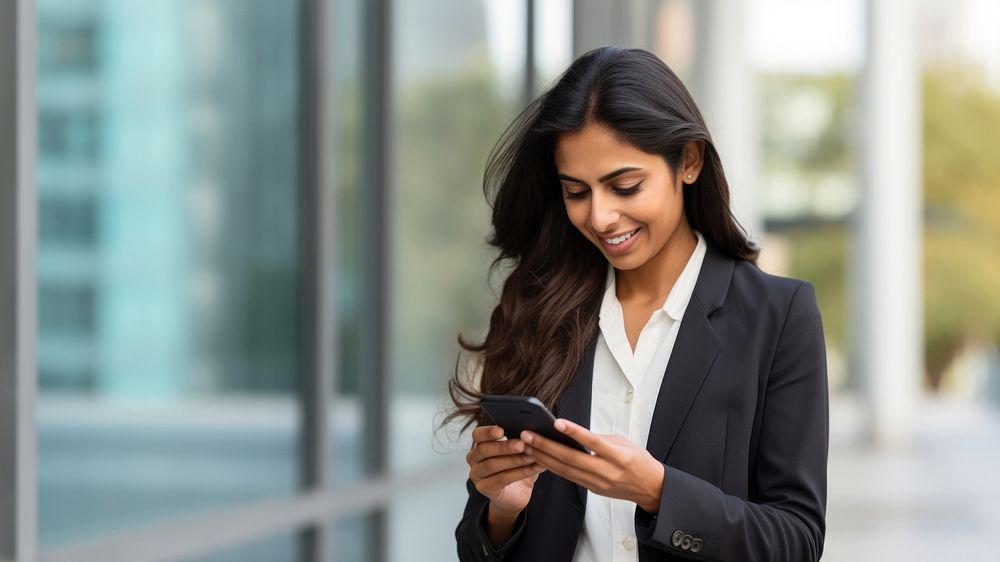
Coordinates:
(426, 516)
(167, 262)
(352, 539)
(352, 398)
(457, 83)
(277, 549)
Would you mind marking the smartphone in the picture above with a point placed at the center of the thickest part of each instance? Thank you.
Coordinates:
(514, 414)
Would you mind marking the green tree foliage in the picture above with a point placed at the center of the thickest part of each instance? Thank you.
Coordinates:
(961, 170)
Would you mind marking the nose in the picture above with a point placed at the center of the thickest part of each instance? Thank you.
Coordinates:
(604, 213)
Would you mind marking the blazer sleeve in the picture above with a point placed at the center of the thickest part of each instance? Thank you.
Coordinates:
(473, 542)
(785, 521)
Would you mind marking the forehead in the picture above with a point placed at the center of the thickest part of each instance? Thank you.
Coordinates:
(594, 150)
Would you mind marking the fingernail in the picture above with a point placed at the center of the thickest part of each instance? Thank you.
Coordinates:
(526, 437)
(517, 447)
(560, 425)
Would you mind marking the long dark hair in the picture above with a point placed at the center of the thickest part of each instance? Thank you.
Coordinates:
(549, 303)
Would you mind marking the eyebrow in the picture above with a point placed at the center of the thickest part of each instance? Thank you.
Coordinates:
(603, 178)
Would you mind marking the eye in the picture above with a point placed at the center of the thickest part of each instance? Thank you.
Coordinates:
(629, 190)
(577, 195)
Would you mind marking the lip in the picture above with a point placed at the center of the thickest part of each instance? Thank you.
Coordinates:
(620, 248)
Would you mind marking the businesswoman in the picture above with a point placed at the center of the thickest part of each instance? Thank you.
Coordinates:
(634, 309)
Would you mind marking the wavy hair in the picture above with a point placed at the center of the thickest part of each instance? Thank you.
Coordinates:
(548, 306)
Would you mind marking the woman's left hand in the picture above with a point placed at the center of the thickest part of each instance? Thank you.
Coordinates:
(618, 468)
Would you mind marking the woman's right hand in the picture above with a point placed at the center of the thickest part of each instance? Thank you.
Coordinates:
(500, 470)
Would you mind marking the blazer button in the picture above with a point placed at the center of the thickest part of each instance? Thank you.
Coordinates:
(696, 545)
(677, 537)
(686, 542)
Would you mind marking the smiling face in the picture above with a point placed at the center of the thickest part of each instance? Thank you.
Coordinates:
(626, 201)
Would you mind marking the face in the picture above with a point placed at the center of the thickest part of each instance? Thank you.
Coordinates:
(628, 202)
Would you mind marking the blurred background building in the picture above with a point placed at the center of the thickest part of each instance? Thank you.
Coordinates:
(253, 230)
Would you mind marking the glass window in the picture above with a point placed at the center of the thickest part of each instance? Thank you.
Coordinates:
(457, 83)
(351, 404)
(69, 221)
(426, 516)
(352, 538)
(276, 549)
(168, 263)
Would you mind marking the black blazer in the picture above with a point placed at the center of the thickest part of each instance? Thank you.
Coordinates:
(741, 424)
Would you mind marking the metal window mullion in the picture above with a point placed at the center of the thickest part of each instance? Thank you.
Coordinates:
(377, 226)
(18, 293)
(316, 242)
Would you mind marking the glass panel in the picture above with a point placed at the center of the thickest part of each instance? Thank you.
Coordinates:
(457, 84)
(352, 539)
(352, 396)
(168, 260)
(426, 516)
(278, 549)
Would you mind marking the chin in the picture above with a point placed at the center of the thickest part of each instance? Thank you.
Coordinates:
(624, 263)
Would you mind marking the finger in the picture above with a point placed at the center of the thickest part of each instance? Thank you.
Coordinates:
(495, 483)
(564, 453)
(583, 477)
(489, 449)
(486, 433)
(492, 466)
(596, 443)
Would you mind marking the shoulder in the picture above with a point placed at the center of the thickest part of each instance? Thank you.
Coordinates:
(766, 295)
(749, 277)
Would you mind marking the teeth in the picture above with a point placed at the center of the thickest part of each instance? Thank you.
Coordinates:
(621, 238)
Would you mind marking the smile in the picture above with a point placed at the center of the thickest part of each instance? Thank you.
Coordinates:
(620, 239)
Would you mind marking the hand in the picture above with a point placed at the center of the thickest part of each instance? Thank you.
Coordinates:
(618, 468)
(500, 470)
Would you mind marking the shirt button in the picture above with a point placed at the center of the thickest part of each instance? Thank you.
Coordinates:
(629, 543)
(628, 396)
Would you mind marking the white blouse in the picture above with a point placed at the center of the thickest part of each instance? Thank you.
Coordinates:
(625, 388)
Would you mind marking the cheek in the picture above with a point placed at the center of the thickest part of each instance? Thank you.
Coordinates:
(657, 209)
(578, 214)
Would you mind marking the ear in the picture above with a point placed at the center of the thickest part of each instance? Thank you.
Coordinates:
(694, 153)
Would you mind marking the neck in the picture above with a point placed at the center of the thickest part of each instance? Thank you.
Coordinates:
(653, 280)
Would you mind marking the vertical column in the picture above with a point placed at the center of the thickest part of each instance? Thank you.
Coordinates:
(887, 311)
(18, 203)
(726, 88)
(316, 243)
(377, 231)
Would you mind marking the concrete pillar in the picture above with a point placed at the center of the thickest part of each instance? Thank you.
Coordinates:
(886, 319)
(725, 88)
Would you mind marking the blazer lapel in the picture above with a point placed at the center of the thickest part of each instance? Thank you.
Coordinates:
(693, 354)
(574, 404)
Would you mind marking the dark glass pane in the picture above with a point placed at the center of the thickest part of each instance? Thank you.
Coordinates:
(168, 261)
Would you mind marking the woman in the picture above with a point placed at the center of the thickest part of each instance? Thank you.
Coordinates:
(634, 308)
